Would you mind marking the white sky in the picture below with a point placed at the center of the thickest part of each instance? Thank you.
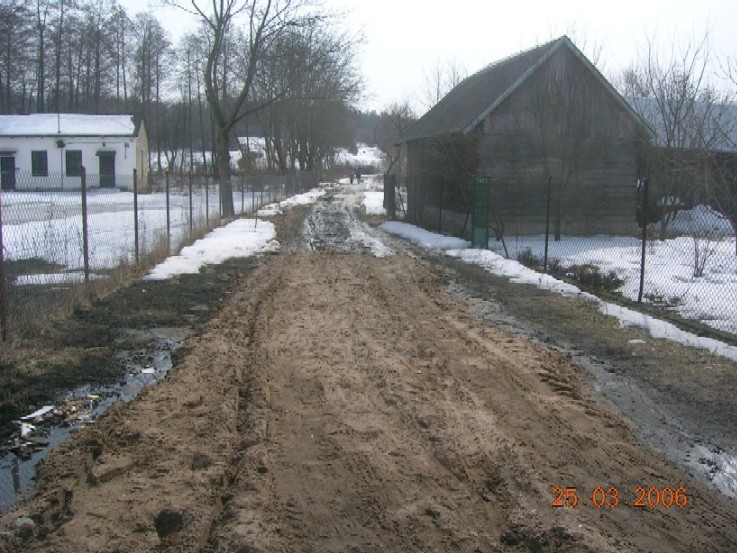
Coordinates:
(406, 39)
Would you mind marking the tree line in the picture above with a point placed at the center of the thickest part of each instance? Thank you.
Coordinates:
(278, 69)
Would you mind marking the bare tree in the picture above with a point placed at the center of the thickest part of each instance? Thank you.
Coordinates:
(441, 79)
(687, 116)
(261, 23)
(16, 56)
(318, 73)
(392, 124)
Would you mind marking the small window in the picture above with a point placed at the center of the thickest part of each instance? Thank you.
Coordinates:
(39, 163)
(74, 163)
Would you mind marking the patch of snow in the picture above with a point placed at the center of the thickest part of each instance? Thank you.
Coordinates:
(422, 237)
(668, 273)
(377, 247)
(241, 238)
(48, 225)
(365, 155)
(74, 277)
(374, 203)
(305, 198)
(700, 221)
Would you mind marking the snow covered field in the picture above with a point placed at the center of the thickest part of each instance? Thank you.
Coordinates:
(669, 270)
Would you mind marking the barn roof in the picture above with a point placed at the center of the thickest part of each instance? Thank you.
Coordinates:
(464, 107)
(67, 124)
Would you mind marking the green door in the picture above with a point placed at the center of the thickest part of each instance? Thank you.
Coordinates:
(7, 172)
(480, 213)
(107, 169)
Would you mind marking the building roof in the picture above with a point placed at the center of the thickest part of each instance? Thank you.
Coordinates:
(469, 103)
(67, 124)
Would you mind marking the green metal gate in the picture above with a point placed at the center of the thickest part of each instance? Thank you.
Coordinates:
(480, 212)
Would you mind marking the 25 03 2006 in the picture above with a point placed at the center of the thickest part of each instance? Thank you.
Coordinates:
(651, 497)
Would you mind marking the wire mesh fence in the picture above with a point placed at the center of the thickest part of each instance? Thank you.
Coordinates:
(684, 261)
(676, 257)
(54, 238)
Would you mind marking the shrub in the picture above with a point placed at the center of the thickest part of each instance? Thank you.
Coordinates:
(591, 275)
(529, 259)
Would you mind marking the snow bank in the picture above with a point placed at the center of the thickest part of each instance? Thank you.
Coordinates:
(422, 237)
(518, 273)
(277, 208)
(374, 203)
(241, 238)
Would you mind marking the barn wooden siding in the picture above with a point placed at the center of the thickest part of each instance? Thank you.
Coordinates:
(560, 121)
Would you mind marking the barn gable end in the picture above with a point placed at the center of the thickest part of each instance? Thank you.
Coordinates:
(543, 115)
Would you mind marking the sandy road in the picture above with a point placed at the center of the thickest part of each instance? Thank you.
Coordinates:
(341, 402)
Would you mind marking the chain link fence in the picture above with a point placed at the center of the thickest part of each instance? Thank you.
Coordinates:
(54, 239)
(678, 258)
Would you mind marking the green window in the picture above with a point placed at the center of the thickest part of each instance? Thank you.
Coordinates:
(74, 163)
(39, 163)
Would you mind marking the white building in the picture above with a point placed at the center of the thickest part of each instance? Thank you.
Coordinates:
(47, 151)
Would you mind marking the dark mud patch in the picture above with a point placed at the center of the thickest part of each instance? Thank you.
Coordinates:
(112, 348)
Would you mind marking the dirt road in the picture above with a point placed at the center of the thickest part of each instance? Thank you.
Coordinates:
(342, 402)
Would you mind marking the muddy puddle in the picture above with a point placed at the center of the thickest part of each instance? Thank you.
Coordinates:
(145, 357)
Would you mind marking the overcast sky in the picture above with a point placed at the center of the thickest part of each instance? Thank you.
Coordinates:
(405, 39)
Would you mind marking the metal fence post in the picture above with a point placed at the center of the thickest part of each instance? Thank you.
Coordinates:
(135, 213)
(547, 223)
(642, 185)
(440, 206)
(85, 228)
(168, 216)
(4, 308)
(190, 202)
(207, 203)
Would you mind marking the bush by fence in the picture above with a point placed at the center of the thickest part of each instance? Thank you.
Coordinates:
(54, 240)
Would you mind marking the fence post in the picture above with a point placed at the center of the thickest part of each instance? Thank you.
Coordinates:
(440, 207)
(547, 223)
(207, 204)
(85, 228)
(642, 185)
(135, 212)
(190, 202)
(4, 308)
(168, 216)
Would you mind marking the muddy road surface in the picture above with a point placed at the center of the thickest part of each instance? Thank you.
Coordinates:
(344, 402)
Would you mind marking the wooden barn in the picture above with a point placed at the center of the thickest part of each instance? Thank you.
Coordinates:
(541, 123)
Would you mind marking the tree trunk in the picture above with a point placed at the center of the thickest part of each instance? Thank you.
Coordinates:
(226, 190)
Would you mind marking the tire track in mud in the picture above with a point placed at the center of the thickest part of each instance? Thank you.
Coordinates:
(399, 422)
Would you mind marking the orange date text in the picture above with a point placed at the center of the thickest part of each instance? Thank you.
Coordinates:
(610, 497)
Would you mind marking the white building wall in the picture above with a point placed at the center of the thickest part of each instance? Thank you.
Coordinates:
(125, 160)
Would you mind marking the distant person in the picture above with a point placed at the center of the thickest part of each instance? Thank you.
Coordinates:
(358, 176)
(352, 175)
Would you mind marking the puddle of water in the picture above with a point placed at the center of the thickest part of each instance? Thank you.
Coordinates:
(144, 367)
